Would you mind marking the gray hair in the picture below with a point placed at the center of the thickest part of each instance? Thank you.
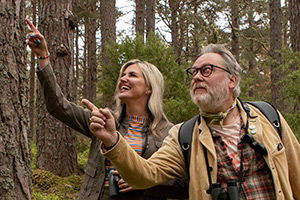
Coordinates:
(229, 61)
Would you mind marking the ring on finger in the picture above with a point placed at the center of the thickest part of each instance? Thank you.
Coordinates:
(91, 120)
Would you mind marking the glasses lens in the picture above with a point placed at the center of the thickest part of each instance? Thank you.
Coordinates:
(206, 70)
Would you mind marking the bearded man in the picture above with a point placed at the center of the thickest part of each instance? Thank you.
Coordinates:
(221, 162)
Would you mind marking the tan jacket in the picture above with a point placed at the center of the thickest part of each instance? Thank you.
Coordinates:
(168, 162)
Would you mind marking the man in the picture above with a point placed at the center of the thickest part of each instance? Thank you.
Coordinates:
(219, 154)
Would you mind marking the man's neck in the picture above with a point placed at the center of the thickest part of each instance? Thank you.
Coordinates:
(230, 118)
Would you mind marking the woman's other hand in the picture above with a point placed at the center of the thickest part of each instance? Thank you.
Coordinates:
(123, 186)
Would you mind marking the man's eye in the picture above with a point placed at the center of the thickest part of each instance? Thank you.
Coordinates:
(206, 69)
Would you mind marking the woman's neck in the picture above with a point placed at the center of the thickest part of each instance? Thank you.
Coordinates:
(137, 110)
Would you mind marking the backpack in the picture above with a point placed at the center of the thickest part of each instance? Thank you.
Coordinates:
(185, 133)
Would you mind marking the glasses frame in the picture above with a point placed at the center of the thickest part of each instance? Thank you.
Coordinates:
(189, 73)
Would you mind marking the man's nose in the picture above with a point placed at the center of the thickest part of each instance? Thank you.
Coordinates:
(198, 76)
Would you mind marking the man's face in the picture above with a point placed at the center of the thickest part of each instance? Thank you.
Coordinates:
(212, 92)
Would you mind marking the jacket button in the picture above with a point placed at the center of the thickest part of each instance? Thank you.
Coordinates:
(210, 168)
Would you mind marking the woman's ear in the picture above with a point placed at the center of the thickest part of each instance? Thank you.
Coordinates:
(148, 91)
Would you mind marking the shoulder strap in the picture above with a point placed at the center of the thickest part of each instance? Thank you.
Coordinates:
(185, 136)
(270, 112)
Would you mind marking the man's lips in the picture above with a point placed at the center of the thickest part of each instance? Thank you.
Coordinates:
(198, 88)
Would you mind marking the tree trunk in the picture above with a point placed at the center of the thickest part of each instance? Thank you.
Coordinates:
(174, 5)
(294, 17)
(15, 157)
(275, 45)
(56, 143)
(76, 75)
(108, 26)
(140, 17)
(150, 16)
(235, 27)
(32, 82)
(251, 52)
(92, 62)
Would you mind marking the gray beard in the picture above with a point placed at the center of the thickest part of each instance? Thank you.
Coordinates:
(213, 101)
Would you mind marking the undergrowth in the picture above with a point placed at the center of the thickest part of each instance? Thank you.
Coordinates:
(48, 186)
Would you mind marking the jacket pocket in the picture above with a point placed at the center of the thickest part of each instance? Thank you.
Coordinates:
(90, 170)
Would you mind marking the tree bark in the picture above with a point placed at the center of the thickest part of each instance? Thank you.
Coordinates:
(140, 17)
(108, 26)
(150, 16)
(92, 62)
(275, 46)
(294, 16)
(56, 143)
(32, 81)
(174, 5)
(15, 156)
(235, 27)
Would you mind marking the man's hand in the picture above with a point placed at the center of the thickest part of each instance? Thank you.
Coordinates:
(102, 124)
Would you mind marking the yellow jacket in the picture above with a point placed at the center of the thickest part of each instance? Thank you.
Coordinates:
(168, 161)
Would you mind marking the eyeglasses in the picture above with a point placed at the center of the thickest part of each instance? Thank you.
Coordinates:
(260, 148)
(205, 70)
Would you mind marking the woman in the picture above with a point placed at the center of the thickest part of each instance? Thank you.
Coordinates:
(140, 119)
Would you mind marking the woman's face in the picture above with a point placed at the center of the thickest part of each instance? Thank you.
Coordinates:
(132, 86)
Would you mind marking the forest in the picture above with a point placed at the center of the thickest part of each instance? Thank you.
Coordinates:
(41, 158)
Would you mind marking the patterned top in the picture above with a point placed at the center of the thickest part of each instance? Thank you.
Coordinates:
(257, 178)
(133, 138)
(134, 134)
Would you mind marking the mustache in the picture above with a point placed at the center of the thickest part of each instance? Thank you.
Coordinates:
(198, 85)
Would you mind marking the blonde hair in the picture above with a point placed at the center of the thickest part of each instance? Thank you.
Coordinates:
(155, 81)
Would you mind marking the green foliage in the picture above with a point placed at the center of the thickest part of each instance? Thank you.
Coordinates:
(83, 147)
(46, 184)
(177, 104)
(33, 154)
(40, 196)
(290, 88)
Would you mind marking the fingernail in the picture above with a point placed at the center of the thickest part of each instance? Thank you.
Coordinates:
(37, 43)
(32, 35)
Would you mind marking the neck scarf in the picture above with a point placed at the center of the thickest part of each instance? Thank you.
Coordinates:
(218, 116)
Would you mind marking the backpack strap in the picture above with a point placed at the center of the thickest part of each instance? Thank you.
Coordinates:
(185, 136)
(270, 112)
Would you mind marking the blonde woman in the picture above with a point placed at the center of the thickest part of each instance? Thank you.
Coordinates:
(139, 119)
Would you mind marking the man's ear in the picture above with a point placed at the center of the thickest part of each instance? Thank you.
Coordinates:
(232, 82)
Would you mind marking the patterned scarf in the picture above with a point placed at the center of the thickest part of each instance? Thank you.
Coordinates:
(218, 116)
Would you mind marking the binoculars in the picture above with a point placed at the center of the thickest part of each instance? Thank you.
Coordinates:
(113, 184)
(218, 192)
